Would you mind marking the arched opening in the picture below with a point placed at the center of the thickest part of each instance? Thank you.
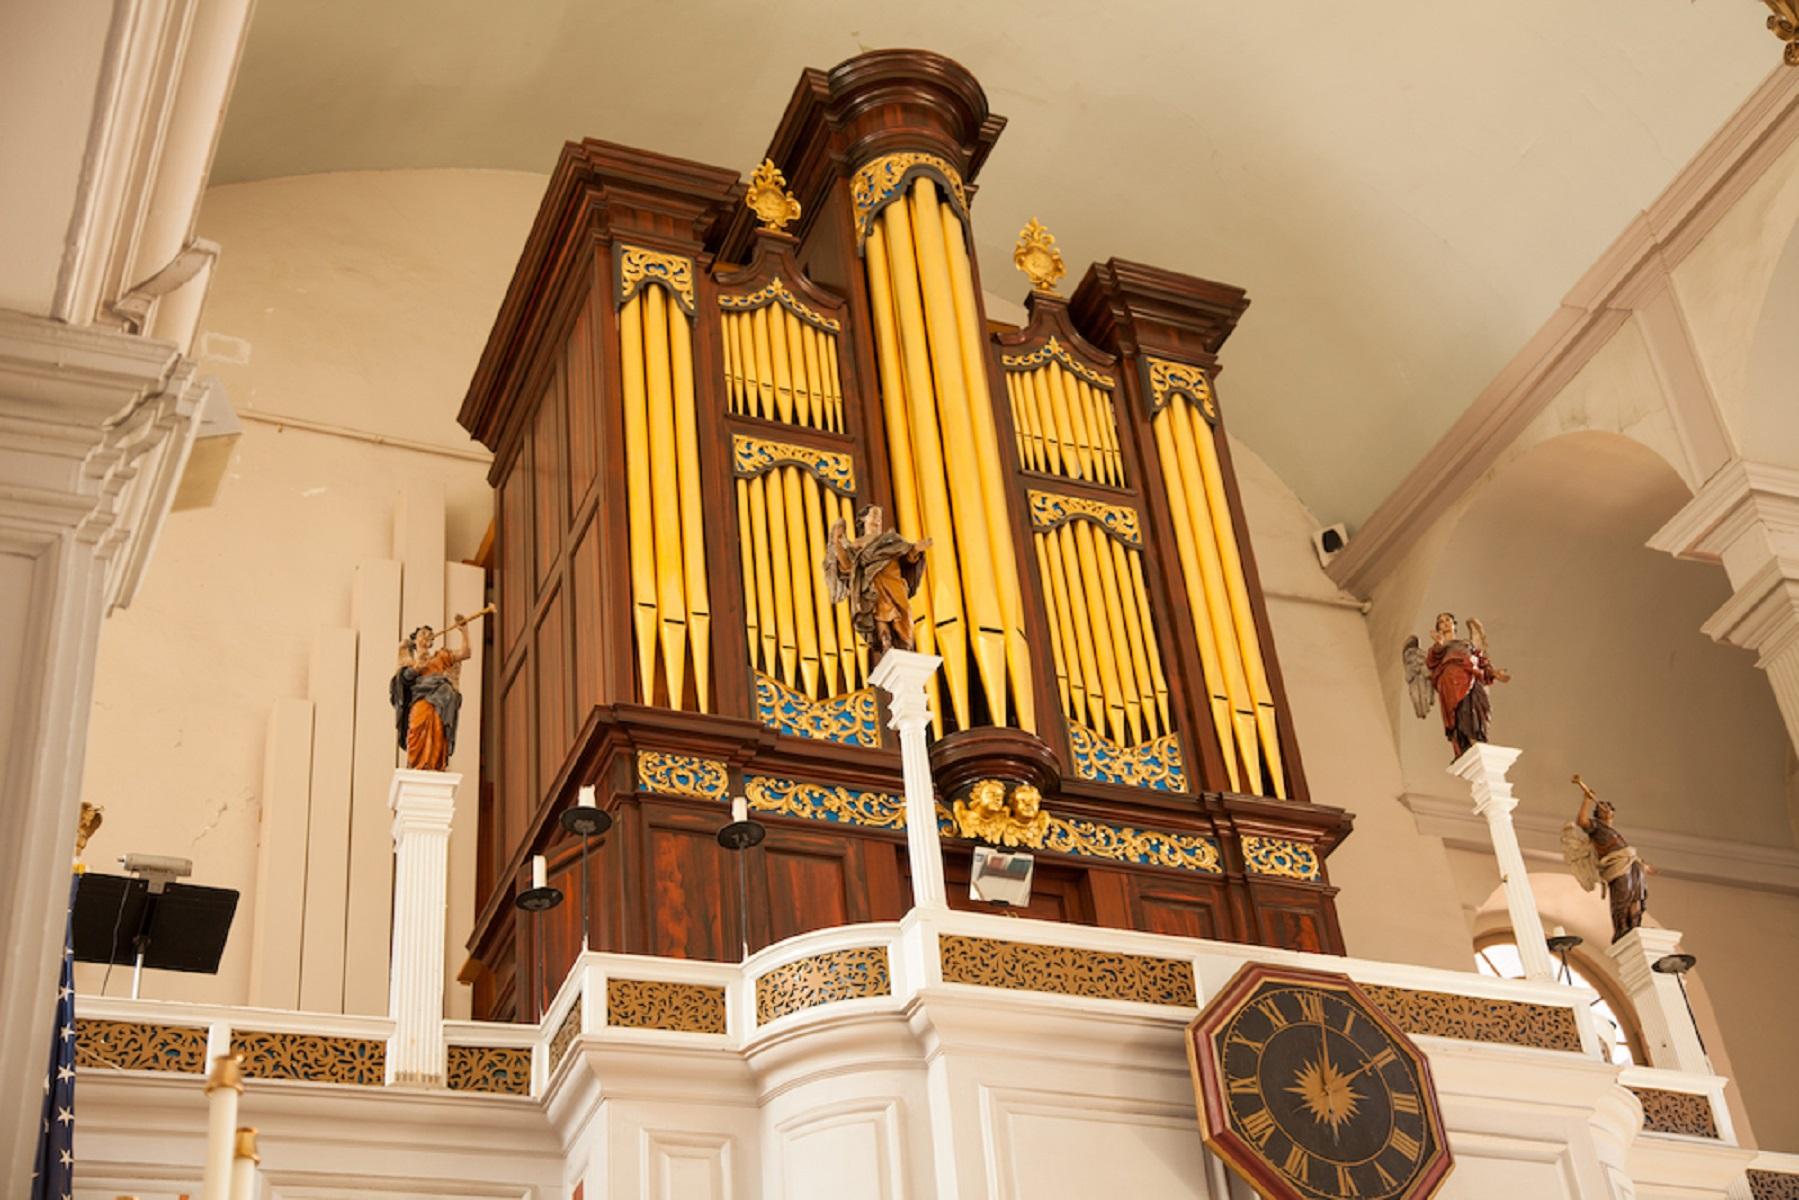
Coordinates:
(1620, 1033)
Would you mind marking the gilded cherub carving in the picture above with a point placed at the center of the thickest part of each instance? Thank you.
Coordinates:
(990, 815)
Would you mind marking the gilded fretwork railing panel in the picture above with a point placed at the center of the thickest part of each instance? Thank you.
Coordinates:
(1064, 416)
(811, 669)
(1184, 418)
(670, 597)
(781, 359)
(942, 439)
(1109, 673)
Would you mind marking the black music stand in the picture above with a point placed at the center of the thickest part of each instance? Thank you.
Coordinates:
(181, 927)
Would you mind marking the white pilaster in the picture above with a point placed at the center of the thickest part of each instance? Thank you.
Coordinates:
(903, 674)
(423, 803)
(1668, 1031)
(1484, 767)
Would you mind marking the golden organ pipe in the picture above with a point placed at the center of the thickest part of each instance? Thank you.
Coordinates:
(940, 558)
(637, 489)
(1018, 428)
(834, 379)
(763, 553)
(807, 339)
(1031, 432)
(801, 564)
(1089, 602)
(1082, 667)
(1198, 608)
(1054, 435)
(774, 345)
(755, 383)
(780, 556)
(1098, 546)
(1242, 615)
(765, 372)
(1055, 630)
(993, 484)
(665, 512)
(937, 328)
(1157, 677)
(821, 598)
(730, 355)
(745, 540)
(1135, 632)
(849, 647)
(806, 406)
(693, 521)
(1069, 401)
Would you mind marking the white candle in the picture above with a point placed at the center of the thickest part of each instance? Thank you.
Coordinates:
(223, 1087)
(588, 798)
(740, 808)
(1560, 931)
(540, 876)
(243, 1166)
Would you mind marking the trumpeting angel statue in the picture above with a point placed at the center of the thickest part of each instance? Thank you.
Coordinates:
(1455, 671)
(1601, 859)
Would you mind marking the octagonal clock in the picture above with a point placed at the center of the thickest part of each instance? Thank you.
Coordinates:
(1310, 1092)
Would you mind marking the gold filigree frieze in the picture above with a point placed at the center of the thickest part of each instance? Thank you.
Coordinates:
(499, 1070)
(1053, 349)
(822, 979)
(880, 181)
(776, 292)
(1170, 379)
(639, 266)
(565, 1034)
(1685, 1113)
(311, 1057)
(767, 196)
(751, 456)
(663, 1004)
(682, 775)
(1036, 255)
(1478, 1018)
(1773, 1185)
(1157, 764)
(849, 719)
(1278, 856)
(1050, 509)
(817, 802)
(1066, 971)
(1085, 838)
(139, 1046)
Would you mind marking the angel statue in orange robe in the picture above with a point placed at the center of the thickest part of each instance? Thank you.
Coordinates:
(1456, 671)
(877, 573)
(425, 696)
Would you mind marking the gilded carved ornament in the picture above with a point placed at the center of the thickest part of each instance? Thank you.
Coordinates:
(990, 815)
(776, 292)
(879, 182)
(1169, 379)
(1784, 23)
(751, 456)
(1279, 857)
(849, 719)
(639, 267)
(1053, 349)
(1036, 255)
(1050, 509)
(769, 198)
(1156, 764)
(681, 775)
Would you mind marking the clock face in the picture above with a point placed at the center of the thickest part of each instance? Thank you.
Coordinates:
(1306, 1085)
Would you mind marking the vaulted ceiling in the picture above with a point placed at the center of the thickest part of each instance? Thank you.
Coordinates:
(1405, 188)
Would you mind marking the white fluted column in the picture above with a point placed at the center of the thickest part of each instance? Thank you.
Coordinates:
(1484, 767)
(423, 803)
(1668, 1031)
(902, 674)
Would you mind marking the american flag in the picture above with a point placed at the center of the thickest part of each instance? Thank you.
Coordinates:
(54, 1176)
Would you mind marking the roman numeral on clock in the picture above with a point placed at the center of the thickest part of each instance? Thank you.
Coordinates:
(1258, 1126)
(1405, 1143)
(1405, 1102)
(1268, 1008)
(1250, 1087)
(1296, 1163)
(1384, 1059)
(1311, 1007)
(1346, 1184)
(1386, 1180)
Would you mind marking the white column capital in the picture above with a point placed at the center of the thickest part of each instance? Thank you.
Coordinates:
(422, 801)
(902, 674)
(1660, 1002)
(1484, 766)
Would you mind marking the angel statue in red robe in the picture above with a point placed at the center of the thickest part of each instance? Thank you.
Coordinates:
(1456, 671)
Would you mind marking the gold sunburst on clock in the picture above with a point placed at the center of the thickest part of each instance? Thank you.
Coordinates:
(1310, 1092)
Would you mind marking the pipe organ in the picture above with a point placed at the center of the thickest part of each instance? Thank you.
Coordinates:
(691, 381)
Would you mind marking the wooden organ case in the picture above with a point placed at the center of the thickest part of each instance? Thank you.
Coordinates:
(681, 400)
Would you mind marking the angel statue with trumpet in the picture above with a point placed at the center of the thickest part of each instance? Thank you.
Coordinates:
(1602, 860)
(1456, 671)
(425, 696)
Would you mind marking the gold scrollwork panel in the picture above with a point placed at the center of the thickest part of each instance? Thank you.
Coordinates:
(662, 1004)
(1066, 971)
(139, 1046)
(780, 359)
(314, 1058)
(501, 1070)
(822, 979)
(682, 775)
(1478, 1018)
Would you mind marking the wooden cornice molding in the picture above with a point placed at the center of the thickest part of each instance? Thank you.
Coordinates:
(1134, 306)
(1654, 243)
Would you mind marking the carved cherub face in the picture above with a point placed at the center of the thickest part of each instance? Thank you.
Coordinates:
(1026, 800)
(989, 795)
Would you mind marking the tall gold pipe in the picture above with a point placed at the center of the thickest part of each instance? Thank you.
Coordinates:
(733, 379)
(807, 339)
(1198, 607)
(765, 371)
(1242, 614)
(693, 519)
(1120, 643)
(835, 379)
(973, 341)
(1135, 633)
(763, 554)
(1158, 678)
(801, 564)
(1109, 415)
(773, 337)
(821, 600)
(665, 509)
(755, 384)
(1100, 421)
(937, 331)
(1068, 400)
(1056, 436)
(1089, 599)
(747, 559)
(637, 491)
(1243, 715)
(781, 556)
(1055, 630)
(1083, 668)
(1018, 425)
(941, 572)
(1033, 422)
(805, 378)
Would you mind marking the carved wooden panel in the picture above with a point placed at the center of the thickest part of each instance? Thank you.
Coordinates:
(807, 884)
(551, 666)
(503, 1070)
(549, 480)
(1180, 913)
(580, 396)
(586, 650)
(1676, 1112)
(692, 904)
(514, 544)
(314, 1058)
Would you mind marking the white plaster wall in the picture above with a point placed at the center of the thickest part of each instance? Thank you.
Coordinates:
(364, 299)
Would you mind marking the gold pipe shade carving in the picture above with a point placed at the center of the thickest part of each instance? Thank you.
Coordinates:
(943, 444)
(1063, 415)
(670, 596)
(780, 359)
(1184, 415)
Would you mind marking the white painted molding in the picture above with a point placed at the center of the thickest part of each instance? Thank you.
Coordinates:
(1679, 855)
(1625, 275)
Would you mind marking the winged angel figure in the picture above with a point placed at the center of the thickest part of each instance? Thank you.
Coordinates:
(1456, 670)
(1602, 860)
(877, 573)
